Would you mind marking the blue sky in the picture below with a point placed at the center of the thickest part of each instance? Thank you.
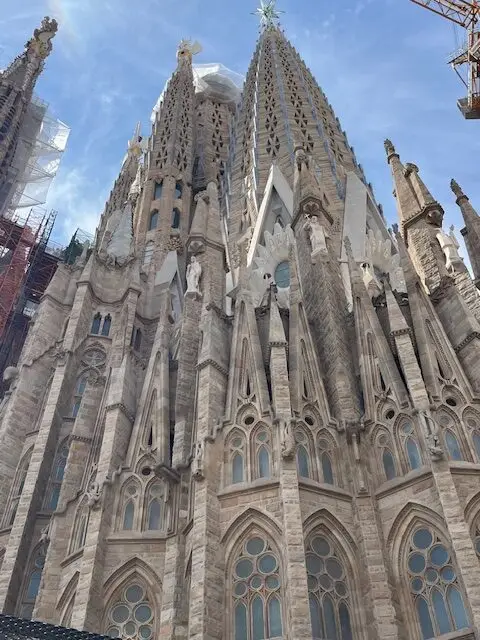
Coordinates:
(382, 64)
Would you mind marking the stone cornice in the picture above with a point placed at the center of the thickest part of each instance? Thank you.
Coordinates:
(214, 364)
(123, 409)
(471, 336)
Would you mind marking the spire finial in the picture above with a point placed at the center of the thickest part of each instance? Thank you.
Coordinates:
(268, 13)
(455, 187)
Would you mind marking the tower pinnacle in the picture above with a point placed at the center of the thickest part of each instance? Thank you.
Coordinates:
(268, 13)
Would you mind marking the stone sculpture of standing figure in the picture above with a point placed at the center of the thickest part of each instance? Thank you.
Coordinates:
(194, 271)
(318, 236)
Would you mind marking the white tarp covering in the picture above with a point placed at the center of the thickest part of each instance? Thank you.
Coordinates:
(212, 79)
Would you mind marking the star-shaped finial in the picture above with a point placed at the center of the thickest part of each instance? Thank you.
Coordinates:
(268, 13)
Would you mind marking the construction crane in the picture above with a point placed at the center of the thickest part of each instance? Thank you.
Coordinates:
(465, 13)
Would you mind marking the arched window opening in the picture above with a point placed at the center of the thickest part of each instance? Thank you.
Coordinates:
(80, 526)
(137, 341)
(304, 467)
(153, 222)
(155, 503)
(282, 275)
(17, 489)
(257, 592)
(476, 536)
(157, 191)
(178, 190)
(56, 477)
(326, 465)
(262, 446)
(32, 583)
(97, 319)
(175, 218)
(236, 458)
(453, 446)
(77, 398)
(434, 585)
(329, 593)
(410, 445)
(107, 323)
(131, 615)
(473, 424)
(129, 506)
(388, 464)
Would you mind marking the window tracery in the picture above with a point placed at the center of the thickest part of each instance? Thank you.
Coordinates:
(326, 455)
(385, 451)
(129, 505)
(156, 507)
(257, 591)
(409, 445)
(434, 585)
(236, 451)
(17, 489)
(473, 424)
(305, 467)
(329, 592)
(56, 477)
(262, 452)
(31, 583)
(450, 437)
(79, 391)
(131, 615)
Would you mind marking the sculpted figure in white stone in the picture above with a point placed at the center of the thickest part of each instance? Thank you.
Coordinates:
(372, 283)
(317, 235)
(288, 438)
(194, 271)
(197, 463)
(450, 248)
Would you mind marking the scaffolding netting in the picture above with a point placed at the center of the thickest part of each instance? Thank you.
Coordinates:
(42, 141)
(214, 81)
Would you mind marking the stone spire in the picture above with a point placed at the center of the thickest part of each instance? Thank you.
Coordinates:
(420, 217)
(17, 82)
(471, 231)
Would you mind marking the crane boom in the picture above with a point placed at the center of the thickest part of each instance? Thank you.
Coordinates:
(463, 12)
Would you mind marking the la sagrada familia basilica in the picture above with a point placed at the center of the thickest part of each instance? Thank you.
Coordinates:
(248, 410)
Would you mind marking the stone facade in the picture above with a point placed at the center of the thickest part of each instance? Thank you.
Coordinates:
(234, 420)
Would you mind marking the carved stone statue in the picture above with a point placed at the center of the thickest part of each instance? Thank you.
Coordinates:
(194, 271)
(372, 283)
(288, 438)
(198, 460)
(450, 248)
(317, 235)
(434, 448)
(94, 493)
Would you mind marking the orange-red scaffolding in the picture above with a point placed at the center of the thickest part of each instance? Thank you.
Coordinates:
(18, 238)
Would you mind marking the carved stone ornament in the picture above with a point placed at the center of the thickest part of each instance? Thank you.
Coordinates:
(317, 234)
(450, 247)
(198, 460)
(194, 272)
(287, 438)
(380, 259)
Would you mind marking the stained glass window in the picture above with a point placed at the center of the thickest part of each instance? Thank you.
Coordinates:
(434, 585)
(328, 588)
(131, 615)
(257, 592)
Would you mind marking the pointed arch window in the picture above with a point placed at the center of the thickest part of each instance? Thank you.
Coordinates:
(175, 218)
(17, 489)
(450, 436)
(328, 590)
(107, 323)
(96, 322)
(236, 458)
(155, 508)
(80, 526)
(326, 452)
(473, 425)
(31, 583)
(56, 477)
(385, 450)
(257, 592)
(434, 585)
(131, 614)
(476, 536)
(410, 445)
(153, 221)
(129, 506)
(262, 452)
(304, 463)
(453, 446)
(79, 391)
(157, 191)
(178, 190)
